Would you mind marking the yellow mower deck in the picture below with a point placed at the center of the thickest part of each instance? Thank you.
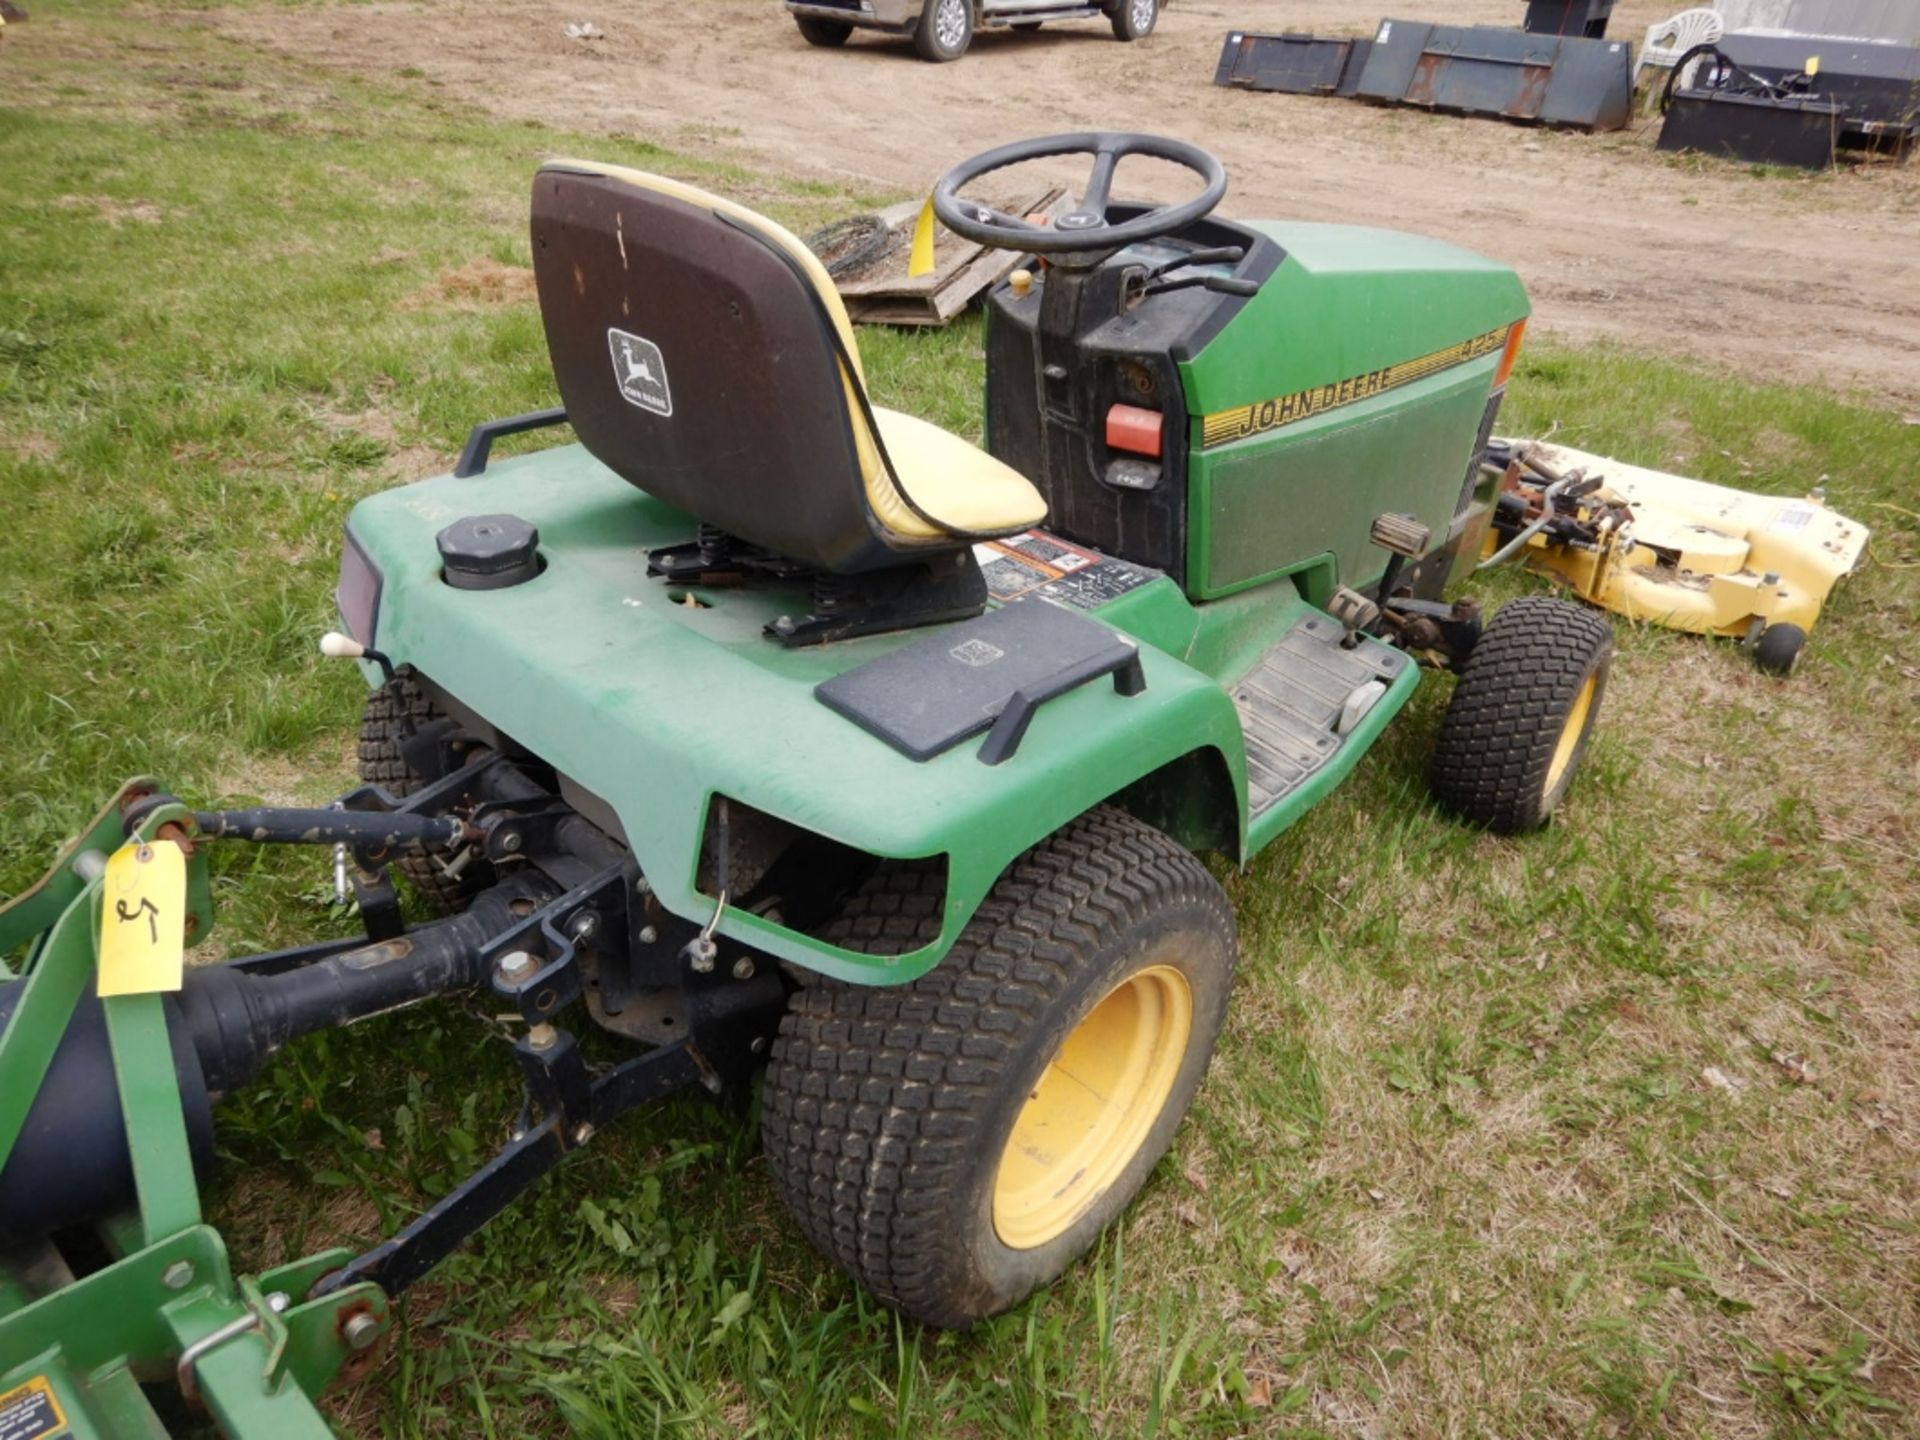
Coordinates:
(1698, 557)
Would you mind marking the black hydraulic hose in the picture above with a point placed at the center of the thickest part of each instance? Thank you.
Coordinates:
(1725, 69)
(373, 829)
(237, 1020)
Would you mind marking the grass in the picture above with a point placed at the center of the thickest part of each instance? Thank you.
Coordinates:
(1460, 1168)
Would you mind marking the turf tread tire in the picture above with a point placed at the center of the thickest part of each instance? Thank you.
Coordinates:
(1510, 708)
(391, 711)
(881, 1102)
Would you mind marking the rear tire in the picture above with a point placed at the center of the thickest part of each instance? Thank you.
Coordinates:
(827, 34)
(923, 1136)
(392, 713)
(1134, 19)
(1521, 717)
(945, 30)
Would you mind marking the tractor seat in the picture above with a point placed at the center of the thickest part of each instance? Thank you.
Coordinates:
(703, 354)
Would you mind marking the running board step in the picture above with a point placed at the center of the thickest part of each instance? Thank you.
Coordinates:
(1291, 703)
(999, 18)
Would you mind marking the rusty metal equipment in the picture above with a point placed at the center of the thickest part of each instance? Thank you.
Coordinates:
(1292, 63)
(1569, 17)
(1558, 80)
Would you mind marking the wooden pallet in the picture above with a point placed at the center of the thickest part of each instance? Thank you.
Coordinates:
(885, 295)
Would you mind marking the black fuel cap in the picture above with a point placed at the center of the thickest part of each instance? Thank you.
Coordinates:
(489, 552)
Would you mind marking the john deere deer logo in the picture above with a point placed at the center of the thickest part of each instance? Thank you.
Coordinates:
(640, 371)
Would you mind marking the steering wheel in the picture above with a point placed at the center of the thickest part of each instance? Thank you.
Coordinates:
(1086, 228)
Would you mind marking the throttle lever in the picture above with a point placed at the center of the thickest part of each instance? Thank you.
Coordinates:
(1219, 255)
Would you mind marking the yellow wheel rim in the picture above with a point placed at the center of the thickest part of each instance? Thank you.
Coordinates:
(1570, 734)
(1093, 1108)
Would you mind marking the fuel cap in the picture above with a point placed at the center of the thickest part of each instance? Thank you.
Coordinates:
(489, 552)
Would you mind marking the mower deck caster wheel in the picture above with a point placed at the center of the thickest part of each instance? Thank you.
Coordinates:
(827, 34)
(1777, 651)
(955, 1143)
(1517, 727)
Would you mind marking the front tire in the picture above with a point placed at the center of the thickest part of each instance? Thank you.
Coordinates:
(955, 1143)
(1517, 728)
(1134, 19)
(827, 34)
(945, 30)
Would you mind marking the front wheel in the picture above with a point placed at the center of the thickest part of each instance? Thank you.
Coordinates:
(956, 1143)
(827, 34)
(1522, 715)
(1134, 19)
(945, 30)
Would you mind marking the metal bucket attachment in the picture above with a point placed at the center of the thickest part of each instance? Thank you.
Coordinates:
(1569, 17)
(1505, 74)
(1291, 64)
(1754, 128)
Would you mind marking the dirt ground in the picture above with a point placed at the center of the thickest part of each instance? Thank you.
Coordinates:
(1778, 276)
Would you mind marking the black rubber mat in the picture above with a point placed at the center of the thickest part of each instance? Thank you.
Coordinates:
(1290, 703)
(927, 697)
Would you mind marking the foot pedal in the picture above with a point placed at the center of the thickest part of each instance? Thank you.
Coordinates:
(1401, 534)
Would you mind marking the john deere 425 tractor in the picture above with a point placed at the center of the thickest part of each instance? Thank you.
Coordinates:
(767, 727)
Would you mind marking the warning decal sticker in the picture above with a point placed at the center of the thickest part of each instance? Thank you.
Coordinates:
(1793, 517)
(31, 1412)
(1037, 563)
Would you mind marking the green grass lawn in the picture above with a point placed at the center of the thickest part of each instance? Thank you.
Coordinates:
(1459, 1169)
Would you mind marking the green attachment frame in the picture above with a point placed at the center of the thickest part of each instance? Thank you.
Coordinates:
(250, 1352)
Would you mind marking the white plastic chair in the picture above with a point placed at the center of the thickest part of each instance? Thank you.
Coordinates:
(1670, 39)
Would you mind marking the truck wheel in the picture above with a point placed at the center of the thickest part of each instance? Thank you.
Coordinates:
(1134, 19)
(1518, 725)
(956, 1143)
(391, 712)
(945, 30)
(827, 34)
(1777, 651)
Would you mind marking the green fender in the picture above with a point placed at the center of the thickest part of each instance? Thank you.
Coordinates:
(654, 707)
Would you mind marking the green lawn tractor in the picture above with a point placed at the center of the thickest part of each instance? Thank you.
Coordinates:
(765, 727)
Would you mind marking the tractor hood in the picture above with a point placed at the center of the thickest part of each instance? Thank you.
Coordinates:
(655, 699)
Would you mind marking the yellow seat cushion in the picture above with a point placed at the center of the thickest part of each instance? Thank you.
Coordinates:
(959, 484)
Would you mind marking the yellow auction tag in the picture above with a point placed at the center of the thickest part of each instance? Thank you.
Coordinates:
(921, 261)
(143, 913)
